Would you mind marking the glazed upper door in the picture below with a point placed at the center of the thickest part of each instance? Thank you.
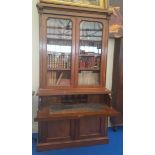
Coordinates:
(90, 53)
(59, 51)
(73, 52)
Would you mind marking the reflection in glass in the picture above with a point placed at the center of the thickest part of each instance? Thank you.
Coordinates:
(90, 53)
(59, 42)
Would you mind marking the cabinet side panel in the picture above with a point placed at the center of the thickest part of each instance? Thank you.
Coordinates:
(42, 128)
(117, 85)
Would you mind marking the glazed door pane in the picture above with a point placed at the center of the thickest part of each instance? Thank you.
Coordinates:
(90, 53)
(59, 51)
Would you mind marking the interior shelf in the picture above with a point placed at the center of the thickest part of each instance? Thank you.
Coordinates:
(87, 55)
(57, 69)
(89, 69)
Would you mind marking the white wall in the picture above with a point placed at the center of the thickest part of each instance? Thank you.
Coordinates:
(110, 63)
(35, 62)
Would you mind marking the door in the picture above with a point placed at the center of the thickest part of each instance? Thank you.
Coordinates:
(90, 127)
(91, 51)
(57, 51)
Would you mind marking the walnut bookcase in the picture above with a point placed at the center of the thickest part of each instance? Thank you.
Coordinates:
(74, 104)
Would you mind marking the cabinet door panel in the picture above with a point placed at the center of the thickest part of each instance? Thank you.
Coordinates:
(92, 127)
(59, 52)
(59, 130)
(91, 52)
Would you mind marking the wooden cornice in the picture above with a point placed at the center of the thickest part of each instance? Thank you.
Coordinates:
(73, 10)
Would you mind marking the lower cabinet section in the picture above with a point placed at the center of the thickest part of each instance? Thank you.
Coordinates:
(72, 132)
(75, 120)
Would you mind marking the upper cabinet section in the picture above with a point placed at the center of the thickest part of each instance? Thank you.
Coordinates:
(59, 51)
(73, 49)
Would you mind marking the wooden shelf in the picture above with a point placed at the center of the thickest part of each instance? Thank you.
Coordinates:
(89, 69)
(57, 69)
(92, 55)
(72, 91)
